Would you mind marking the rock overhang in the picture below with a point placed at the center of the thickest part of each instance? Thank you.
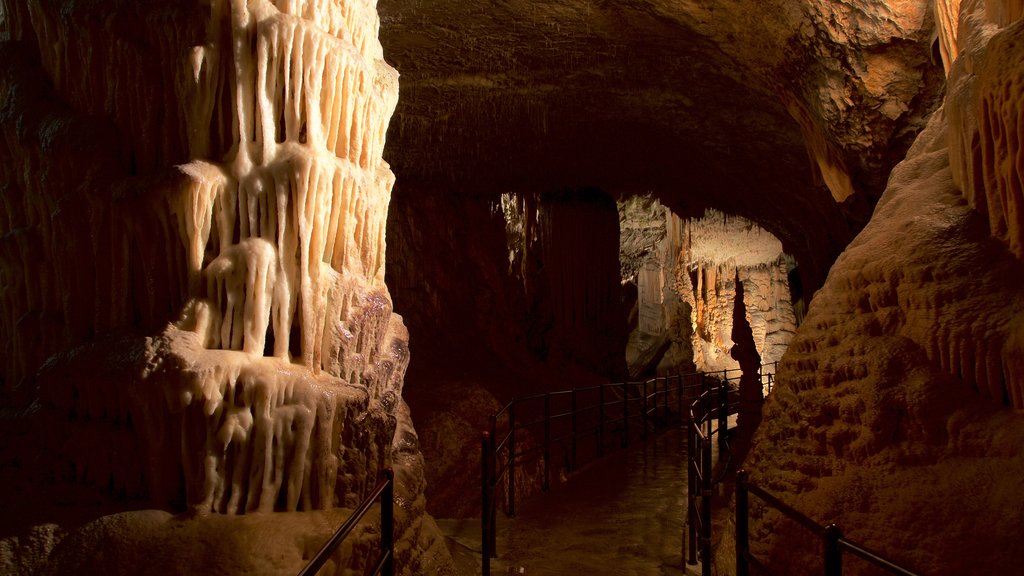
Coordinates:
(787, 113)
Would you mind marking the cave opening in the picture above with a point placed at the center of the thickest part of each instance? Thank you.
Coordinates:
(688, 274)
(577, 287)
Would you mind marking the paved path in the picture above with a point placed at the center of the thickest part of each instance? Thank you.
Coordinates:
(622, 515)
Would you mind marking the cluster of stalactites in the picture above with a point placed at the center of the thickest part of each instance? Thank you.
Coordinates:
(284, 239)
(302, 84)
(716, 250)
(986, 109)
(997, 13)
(722, 239)
(947, 20)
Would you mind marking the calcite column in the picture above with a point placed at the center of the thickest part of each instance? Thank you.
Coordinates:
(193, 219)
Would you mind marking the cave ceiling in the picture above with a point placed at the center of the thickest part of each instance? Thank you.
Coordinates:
(691, 100)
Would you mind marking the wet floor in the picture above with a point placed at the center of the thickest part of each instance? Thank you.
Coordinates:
(622, 515)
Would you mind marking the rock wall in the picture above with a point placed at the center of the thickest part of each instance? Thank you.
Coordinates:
(893, 415)
(216, 165)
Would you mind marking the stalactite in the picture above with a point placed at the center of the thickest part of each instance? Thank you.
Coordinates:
(247, 205)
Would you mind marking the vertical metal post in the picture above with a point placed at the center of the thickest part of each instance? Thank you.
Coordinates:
(492, 486)
(723, 418)
(511, 482)
(600, 421)
(681, 384)
(387, 523)
(691, 493)
(547, 441)
(655, 400)
(742, 524)
(833, 556)
(572, 445)
(492, 491)
(643, 420)
(494, 439)
(654, 395)
(705, 507)
(707, 406)
(625, 414)
(485, 503)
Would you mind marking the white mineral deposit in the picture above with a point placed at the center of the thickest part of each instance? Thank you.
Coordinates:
(243, 243)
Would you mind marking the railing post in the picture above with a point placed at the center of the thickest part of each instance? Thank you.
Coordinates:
(511, 482)
(742, 525)
(494, 438)
(547, 441)
(664, 397)
(833, 556)
(705, 507)
(600, 421)
(681, 384)
(691, 491)
(723, 418)
(493, 492)
(485, 502)
(572, 436)
(625, 414)
(707, 405)
(654, 415)
(387, 523)
(643, 408)
(492, 475)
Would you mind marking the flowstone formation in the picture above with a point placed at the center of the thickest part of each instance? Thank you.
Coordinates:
(216, 165)
(902, 391)
(686, 273)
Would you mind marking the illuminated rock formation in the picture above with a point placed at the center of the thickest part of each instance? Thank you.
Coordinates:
(896, 391)
(685, 272)
(217, 166)
(720, 249)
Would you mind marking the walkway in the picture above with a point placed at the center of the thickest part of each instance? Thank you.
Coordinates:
(622, 515)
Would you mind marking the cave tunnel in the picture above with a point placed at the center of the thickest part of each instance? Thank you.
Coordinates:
(680, 105)
(245, 245)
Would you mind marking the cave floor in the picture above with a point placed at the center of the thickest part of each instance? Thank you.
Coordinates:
(621, 515)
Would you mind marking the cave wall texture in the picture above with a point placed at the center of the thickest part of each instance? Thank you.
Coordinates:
(895, 419)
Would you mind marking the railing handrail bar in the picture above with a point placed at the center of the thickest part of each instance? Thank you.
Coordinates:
(504, 409)
(789, 511)
(500, 445)
(350, 523)
(830, 532)
(705, 404)
(537, 396)
(529, 424)
(873, 557)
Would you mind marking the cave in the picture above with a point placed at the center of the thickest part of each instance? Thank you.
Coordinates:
(255, 254)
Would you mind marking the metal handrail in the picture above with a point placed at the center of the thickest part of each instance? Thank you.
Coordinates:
(635, 403)
(386, 561)
(834, 544)
(646, 401)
